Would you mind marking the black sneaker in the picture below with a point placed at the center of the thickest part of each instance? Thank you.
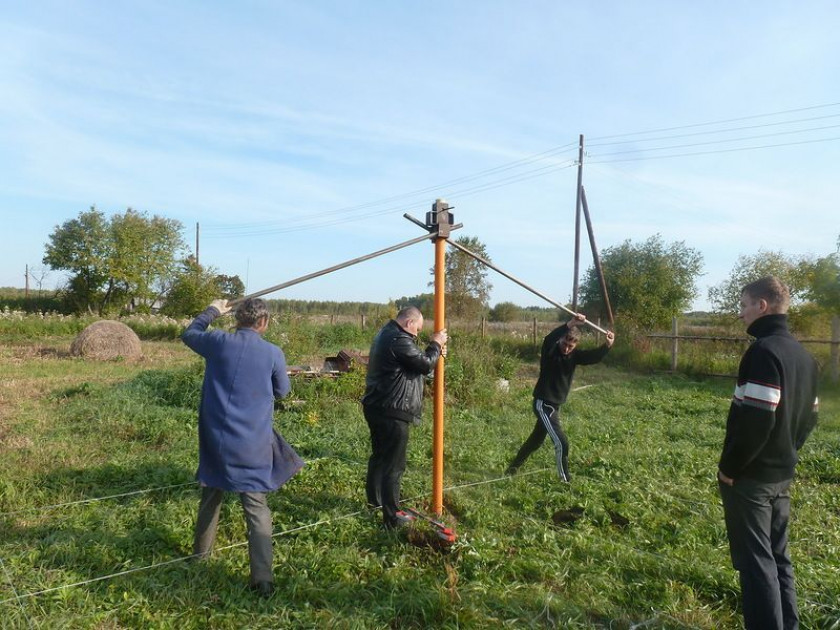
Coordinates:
(511, 470)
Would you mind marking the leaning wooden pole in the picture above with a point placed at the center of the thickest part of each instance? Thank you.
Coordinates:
(596, 259)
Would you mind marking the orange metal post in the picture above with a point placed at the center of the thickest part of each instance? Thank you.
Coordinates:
(440, 324)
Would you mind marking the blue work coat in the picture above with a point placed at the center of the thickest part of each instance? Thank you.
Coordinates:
(238, 448)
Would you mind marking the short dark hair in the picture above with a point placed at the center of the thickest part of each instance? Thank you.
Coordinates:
(408, 312)
(250, 312)
(573, 334)
(771, 289)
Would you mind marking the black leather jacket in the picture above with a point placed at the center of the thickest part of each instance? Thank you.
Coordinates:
(396, 371)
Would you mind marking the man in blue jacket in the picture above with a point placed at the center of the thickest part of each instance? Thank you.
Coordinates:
(393, 399)
(773, 411)
(238, 449)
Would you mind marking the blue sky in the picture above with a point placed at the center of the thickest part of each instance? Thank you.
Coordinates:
(298, 133)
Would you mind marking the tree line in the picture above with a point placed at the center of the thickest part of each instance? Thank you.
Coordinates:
(136, 262)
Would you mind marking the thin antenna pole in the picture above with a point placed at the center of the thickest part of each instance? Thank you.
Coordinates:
(196, 243)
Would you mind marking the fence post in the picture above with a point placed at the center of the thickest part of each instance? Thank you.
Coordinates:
(534, 331)
(483, 327)
(835, 349)
(363, 321)
(674, 344)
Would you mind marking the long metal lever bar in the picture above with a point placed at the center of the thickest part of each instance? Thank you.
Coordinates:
(315, 274)
(487, 263)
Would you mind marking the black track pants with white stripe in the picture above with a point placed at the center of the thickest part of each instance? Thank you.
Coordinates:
(548, 423)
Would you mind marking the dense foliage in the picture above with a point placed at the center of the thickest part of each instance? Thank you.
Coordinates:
(467, 286)
(647, 283)
(127, 260)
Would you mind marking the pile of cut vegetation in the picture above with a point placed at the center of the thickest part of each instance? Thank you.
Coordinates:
(107, 340)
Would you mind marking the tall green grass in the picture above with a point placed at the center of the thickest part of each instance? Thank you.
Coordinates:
(637, 539)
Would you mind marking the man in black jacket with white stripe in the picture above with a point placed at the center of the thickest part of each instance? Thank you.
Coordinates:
(773, 411)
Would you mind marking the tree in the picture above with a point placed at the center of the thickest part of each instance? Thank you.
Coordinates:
(822, 281)
(647, 283)
(144, 255)
(467, 287)
(130, 256)
(193, 289)
(80, 246)
(504, 312)
(725, 297)
(230, 287)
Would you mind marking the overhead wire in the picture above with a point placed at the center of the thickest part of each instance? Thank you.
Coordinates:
(531, 159)
(718, 122)
(589, 145)
(402, 202)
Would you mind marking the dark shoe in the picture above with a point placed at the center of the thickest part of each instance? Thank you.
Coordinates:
(511, 470)
(263, 589)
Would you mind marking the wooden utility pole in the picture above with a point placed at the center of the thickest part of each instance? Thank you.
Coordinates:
(196, 243)
(577, 226)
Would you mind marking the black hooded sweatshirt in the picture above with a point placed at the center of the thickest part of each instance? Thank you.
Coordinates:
(557, 369)
(774, 407)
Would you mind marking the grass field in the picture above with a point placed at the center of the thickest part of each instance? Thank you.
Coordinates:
(97, 503)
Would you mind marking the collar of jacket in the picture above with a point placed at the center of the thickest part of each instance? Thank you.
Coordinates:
(397, 324)
(768, 325)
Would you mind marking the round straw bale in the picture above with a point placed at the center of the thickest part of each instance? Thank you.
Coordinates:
(107, 340)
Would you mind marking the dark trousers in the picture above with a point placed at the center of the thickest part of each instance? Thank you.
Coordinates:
(258, 519)
(389, 442)
(548, 423)
(757, 516)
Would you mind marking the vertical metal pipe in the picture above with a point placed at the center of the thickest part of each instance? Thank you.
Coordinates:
(440, 324)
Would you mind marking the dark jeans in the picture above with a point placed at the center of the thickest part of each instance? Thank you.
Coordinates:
(389, 442)
(258, 519)
(548, 423)
(757, 516)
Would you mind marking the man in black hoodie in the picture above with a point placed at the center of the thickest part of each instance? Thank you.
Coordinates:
(773, 411)
(558, 359)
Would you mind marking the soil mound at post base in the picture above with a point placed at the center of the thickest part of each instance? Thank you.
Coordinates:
(107, 340)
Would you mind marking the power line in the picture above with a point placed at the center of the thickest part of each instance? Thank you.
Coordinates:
(677, 155)
(374, 208)
(718, 122)
(711, 132)
(721, 141)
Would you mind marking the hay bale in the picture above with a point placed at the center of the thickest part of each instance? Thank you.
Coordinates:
(107, 340)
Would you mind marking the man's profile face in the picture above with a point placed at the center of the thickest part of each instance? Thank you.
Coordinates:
(414, 326)
(751, 308)
(567, 345)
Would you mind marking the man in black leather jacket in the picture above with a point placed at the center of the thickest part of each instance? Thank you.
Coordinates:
(394, 398)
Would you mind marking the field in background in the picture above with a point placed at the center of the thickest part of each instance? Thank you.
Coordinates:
(636, 540)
